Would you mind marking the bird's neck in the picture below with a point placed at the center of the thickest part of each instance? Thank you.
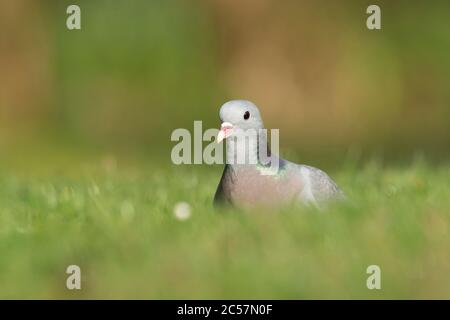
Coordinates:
(248, 149)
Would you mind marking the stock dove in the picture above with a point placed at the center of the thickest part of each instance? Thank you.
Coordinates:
(249, 183)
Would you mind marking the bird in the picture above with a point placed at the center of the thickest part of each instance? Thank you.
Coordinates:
(247, 183)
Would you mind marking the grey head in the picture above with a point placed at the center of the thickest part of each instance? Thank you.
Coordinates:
(238, 114)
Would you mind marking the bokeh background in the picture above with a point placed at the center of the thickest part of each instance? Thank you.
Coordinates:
(86, 118)
(139, 69)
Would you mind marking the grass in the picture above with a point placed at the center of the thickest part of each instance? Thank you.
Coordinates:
(117, 224)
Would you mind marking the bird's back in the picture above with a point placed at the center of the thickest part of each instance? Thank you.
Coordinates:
(320, 185)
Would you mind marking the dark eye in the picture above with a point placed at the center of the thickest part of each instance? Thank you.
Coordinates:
(246, 115)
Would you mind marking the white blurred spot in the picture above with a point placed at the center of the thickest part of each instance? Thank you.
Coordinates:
(182, 211)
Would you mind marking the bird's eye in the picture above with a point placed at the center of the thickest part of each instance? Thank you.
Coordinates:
(246, 115)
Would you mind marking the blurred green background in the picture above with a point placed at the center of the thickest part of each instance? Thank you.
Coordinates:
(139, 69)
(85, 124)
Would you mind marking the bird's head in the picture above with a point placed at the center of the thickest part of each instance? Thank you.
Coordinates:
(238, 114)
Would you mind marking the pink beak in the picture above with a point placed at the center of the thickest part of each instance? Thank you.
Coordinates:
(225, 131)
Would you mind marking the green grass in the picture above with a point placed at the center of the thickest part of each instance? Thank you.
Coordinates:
(117, 224)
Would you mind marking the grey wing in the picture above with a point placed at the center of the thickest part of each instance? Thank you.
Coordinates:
(323, 187)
